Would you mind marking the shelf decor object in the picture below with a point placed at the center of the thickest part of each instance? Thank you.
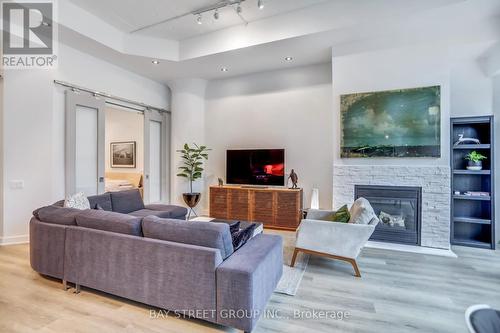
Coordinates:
(473, 197)
(475, 161)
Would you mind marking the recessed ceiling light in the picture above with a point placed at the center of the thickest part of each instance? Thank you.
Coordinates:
(223, 69)
(155, 61)
(199, 19)
(288, 58)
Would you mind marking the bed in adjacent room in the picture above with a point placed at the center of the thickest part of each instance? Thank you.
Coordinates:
(122, 181)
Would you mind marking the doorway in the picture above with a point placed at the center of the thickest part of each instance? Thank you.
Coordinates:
(111, 147)
(124, 150)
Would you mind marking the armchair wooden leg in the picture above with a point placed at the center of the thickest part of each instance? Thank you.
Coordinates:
(353, 262)
(295, 252)
(355, 266)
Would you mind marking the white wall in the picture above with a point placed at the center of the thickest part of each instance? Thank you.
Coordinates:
(1, 153)
(33, 128)
(27, 131)
(465, 90)
(288, 109)
(123, 125)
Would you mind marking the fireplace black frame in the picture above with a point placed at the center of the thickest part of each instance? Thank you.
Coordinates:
(381, 234)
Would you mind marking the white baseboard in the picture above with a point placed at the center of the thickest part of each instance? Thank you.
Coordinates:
(12, 240)
(411, 248)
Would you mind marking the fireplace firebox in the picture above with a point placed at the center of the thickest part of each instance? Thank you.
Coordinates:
(399, 211)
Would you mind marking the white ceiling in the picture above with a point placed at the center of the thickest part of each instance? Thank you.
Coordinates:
(129, 15)
(308, 35)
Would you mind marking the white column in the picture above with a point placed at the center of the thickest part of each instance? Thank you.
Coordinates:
(188, 126)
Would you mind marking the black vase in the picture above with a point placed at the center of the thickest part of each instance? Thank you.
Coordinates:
(191, 200)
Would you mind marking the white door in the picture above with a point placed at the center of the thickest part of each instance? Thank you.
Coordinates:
(156, 153)
(84, 144)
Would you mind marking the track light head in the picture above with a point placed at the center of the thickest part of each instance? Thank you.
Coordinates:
(239, 9)
(260, 4)
(199, 19)
(216, 14)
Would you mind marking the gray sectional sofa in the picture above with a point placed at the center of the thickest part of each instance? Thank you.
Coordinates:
(153, 258)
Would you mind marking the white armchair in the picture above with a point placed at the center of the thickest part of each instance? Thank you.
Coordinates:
(336, 240)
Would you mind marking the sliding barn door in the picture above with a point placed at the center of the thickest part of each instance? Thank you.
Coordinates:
(156, 156)
(85, 162)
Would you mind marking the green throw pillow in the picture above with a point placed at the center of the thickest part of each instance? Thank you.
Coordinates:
(341, 215)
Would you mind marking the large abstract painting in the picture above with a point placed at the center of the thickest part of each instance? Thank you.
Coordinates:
(395, 123)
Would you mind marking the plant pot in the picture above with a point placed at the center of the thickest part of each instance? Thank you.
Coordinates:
(474, 166)
(191, 199)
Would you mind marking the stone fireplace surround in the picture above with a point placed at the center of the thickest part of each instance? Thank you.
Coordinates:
(436, 193)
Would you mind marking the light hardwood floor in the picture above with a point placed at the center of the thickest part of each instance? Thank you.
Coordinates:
(399, 292)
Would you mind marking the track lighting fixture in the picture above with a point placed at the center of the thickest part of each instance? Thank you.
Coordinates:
(214, 10)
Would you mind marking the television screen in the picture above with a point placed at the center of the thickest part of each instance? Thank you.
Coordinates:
(256, 167)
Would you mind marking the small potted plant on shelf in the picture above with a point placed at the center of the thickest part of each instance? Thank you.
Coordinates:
(192, 169)
(475, 161)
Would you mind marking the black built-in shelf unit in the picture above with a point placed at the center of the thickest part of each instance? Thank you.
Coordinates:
(472, 217)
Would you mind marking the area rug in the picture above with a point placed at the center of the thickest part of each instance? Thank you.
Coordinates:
(290, 281)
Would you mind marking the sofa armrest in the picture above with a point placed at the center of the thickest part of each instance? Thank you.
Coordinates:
(320, 214)
(336, 238)
(246, 281)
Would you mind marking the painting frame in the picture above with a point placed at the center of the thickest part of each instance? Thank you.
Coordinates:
(123, 154)
(397, 123)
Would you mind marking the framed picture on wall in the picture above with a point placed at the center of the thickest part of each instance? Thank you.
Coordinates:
(394, 123)
(123, 154)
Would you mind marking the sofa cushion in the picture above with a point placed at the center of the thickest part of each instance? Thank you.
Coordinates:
(362, 212)
(208, 234)
(342, 215)
(103, 200)
(174, 211)
(78, 201)
(149, 212)
(240, 237)
(57, 215)
(109, 221)
(126, 201)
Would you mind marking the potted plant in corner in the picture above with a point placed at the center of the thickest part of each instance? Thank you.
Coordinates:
(475, 161)
(192, 169)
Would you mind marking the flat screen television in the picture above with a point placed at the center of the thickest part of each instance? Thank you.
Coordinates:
(264, 167)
